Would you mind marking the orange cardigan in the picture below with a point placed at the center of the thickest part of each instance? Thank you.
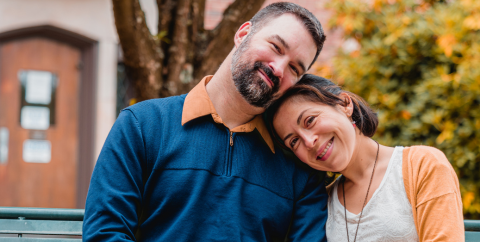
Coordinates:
(433, 190)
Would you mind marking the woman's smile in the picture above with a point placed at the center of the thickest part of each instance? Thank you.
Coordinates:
(325, 150)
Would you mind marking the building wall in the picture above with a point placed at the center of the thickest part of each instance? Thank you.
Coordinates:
(90, 18)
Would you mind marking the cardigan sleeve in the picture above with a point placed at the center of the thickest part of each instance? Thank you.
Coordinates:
(116, 187)
(433, 191)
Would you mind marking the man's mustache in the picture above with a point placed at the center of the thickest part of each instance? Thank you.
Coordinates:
(269, 72)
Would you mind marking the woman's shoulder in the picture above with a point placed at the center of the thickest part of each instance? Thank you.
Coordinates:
(428, 170)
(425, 157)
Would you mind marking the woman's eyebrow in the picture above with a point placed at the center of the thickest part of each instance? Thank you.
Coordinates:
(286, 137)
(298, 123)
(301, 115)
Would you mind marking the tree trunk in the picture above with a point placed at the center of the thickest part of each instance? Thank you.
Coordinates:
(183, 52)
(141, 54)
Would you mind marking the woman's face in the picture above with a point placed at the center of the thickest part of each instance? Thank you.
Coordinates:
(320, 135)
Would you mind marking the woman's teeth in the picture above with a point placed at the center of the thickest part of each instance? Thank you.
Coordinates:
(326, 149)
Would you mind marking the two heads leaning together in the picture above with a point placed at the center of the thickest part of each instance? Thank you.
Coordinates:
(384, 193)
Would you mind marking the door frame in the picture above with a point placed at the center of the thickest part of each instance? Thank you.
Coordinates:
(87, 95)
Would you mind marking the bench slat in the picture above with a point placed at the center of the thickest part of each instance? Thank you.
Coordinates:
(42, 213)
(53, 221)
(50, 227)
(472, 225)
(472, 236)
(16, 239)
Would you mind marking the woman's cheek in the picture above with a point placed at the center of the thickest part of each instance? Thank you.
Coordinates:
(302, 156)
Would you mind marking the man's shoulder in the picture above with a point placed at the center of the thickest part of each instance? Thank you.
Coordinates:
(158, 106)
(302, 173)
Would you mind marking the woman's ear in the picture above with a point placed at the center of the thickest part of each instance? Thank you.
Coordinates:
(348, 108)
(242, 33)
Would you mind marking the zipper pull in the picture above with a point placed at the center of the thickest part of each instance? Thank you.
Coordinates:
(231, 138)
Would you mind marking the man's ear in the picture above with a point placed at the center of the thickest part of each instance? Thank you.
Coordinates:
(348, 109)
(242, 33)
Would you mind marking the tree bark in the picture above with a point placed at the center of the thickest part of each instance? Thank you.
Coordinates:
(178, 49)
(141, 55)
(183, 52)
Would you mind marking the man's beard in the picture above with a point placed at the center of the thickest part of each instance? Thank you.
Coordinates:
(248, 81)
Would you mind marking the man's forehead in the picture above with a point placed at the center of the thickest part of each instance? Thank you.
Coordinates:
(289, 28)
(281, 22)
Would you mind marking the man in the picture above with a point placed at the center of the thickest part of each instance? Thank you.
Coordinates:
(202, 166)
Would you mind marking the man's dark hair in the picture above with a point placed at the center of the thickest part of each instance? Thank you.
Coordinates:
(275, 10)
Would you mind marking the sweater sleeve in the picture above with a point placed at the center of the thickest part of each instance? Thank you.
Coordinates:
(433, 190)
(116, 186)
(310, 214)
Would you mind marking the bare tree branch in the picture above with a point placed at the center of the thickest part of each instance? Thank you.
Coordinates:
(198, 19)
(178, 50)
(221, 42)
(142, 57)
(182, 52)
(165, 18)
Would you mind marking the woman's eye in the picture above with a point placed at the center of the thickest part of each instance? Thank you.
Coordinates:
(293, 142)
(309, 121)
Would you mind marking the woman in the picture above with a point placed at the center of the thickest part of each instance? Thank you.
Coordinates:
(384, 193)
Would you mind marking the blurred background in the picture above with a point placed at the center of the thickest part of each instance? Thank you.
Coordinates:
(67, 68)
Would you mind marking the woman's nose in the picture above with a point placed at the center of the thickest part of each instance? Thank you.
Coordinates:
(310, 141)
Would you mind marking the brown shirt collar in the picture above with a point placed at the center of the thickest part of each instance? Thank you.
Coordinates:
(198, 104)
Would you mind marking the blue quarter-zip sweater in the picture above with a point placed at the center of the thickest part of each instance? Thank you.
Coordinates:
(160, 181)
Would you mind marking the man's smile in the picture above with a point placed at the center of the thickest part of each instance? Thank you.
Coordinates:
(266, 78)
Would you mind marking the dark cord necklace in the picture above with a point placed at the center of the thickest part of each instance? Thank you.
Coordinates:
(364, 202)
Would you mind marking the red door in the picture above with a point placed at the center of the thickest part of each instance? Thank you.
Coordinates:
(40, 168)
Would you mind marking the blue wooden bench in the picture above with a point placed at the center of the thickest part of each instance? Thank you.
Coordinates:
(41, 224)
(472, 230)
(34, 224)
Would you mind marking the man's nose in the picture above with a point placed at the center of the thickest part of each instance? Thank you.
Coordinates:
(278, 66)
